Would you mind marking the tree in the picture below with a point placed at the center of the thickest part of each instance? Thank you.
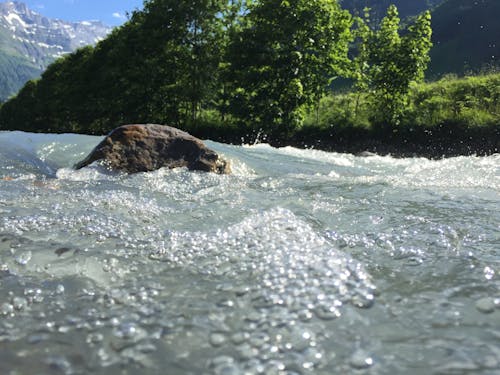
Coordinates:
(387, 63)
(160, 66)
(185, 40)
(283, 59)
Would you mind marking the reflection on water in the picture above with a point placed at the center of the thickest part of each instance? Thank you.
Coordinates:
(301, 262)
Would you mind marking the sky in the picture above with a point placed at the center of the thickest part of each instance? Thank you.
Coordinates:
(110, 12)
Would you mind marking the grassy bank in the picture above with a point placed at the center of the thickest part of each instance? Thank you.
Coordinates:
(453, 116)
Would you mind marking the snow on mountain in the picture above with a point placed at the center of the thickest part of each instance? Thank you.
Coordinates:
(41, 39)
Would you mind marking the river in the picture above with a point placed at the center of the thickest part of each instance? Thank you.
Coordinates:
(300, 262)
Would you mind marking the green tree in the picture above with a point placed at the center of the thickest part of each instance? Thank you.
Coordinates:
(387, 63)
(180, 48)
(283, 58)
(161, 66)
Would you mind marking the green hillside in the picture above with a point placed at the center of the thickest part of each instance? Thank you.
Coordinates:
(465, 32)
(466, 37)
(15, 69)
(13, 72)
(378, 8)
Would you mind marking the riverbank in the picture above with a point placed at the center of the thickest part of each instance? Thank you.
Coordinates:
(450, 117)
(447, 140)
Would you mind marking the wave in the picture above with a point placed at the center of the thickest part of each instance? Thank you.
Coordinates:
(53, 155)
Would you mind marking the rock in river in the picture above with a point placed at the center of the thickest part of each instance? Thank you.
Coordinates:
(147, 147)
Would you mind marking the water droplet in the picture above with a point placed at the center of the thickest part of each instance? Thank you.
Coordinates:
(486, 305)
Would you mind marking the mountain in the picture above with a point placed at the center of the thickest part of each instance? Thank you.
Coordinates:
(466, 37)
(29, 42)
(378, 8)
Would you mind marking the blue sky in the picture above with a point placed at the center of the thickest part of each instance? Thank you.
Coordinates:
(110, 12)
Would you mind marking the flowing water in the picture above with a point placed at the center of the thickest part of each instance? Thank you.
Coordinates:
(300, 262)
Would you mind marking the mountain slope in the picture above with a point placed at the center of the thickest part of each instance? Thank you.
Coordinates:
(29, 42)
(378, 8)
(465, 32)
(466, 36)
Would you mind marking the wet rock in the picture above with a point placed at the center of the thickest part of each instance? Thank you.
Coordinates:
(143, 148)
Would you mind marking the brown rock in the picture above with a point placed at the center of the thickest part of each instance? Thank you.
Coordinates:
(143, 148)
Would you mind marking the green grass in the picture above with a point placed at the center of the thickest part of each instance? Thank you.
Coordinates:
(468, 102)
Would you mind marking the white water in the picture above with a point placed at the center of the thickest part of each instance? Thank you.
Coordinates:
(301, 262)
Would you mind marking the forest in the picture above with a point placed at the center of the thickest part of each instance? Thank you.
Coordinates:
(250, 70)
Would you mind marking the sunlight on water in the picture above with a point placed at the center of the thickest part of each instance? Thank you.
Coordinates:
(301, 262)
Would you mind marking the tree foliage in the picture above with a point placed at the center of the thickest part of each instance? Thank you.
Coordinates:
(388, 62)
(161, 66)
(283, 59)
(258, 64)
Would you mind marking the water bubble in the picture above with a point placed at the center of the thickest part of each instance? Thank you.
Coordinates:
(327, 312)
(241, 291)
(298, 340)
(127, 330)
(19, 303)
(217, 339)
(258, 339)
(114, 321)
(364, 301)
(247, 351)
(225, 303)
(37, 338)
(414, 261)
(240, 337)
(305, 315)
(224, 365)
(489, 273)
(6, 309)
(24, 258)
(94, 338)
(486, 305)
(274, 368)
(361, 360)
(312, 356)
(60, 364)
(60, 289)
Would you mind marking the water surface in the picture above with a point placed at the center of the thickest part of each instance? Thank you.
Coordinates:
(301, 262)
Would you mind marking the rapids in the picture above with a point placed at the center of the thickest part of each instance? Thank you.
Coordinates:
(300, 262)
